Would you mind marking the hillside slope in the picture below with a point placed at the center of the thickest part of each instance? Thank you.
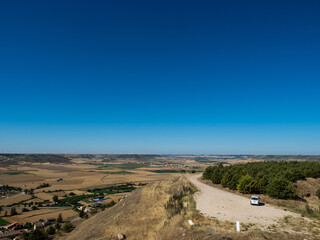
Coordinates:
(143, 215)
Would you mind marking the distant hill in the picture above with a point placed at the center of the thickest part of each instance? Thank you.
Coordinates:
(314, 158)
(13, 159)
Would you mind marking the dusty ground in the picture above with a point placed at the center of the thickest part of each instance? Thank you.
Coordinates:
(227, 206)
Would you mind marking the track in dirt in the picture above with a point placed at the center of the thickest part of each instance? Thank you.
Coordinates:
(227, 206)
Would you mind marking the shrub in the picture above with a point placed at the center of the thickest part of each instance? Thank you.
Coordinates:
(51, 230)
(67, 227)
(34, 208)
(28, 225)
(57, 226)
(318, 193)
(281, 188)
(25, 210)
(174, 205)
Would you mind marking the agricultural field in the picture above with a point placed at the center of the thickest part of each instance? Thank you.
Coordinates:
(37, 178)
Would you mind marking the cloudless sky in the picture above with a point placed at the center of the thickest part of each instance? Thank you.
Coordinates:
(201, 77)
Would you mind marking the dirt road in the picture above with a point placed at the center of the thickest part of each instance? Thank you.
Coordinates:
(227, 206)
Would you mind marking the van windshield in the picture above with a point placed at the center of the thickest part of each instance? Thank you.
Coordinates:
(254, 198)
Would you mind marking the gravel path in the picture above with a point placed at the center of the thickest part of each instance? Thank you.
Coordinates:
(227, 206)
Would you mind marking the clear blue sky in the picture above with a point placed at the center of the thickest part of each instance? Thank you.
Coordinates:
(225, 77)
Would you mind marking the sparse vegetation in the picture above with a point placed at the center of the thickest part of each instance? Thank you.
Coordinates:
(67, 227)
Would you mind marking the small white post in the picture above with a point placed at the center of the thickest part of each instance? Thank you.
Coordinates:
(190, 223)
(238, 226)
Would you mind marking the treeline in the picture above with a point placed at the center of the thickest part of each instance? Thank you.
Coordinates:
(272, 178)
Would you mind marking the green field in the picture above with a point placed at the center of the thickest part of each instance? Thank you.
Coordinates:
(14, 173)
(113, 189)
(110, 172)
(118, 172)
(123, 166)
(167, 171)
(3, 222)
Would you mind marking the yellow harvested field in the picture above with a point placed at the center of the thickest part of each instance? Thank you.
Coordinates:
(14, 199)
(33, 216)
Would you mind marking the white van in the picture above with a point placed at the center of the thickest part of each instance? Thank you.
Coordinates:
(254, 200)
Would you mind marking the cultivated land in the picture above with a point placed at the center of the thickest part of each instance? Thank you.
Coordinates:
(78, 173)
(161, 204)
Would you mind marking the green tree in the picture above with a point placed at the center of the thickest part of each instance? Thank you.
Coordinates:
(0, 209)
(234, 182)
(208, 173)
(34, 208)
(226, 179)
(55, 198)
(60, 219)
(38, 234)
(217, 174)
(13, 211)
(57, 226)
(281, 188)
(262, 184)
(247, 185)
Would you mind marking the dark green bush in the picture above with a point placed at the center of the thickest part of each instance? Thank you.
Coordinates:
(247, 185)
(281, 188)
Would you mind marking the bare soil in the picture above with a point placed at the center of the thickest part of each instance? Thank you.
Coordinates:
(227, 206)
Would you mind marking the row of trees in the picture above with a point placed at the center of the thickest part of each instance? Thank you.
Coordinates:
(272, 178)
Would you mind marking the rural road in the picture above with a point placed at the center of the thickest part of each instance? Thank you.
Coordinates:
(226, 206)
